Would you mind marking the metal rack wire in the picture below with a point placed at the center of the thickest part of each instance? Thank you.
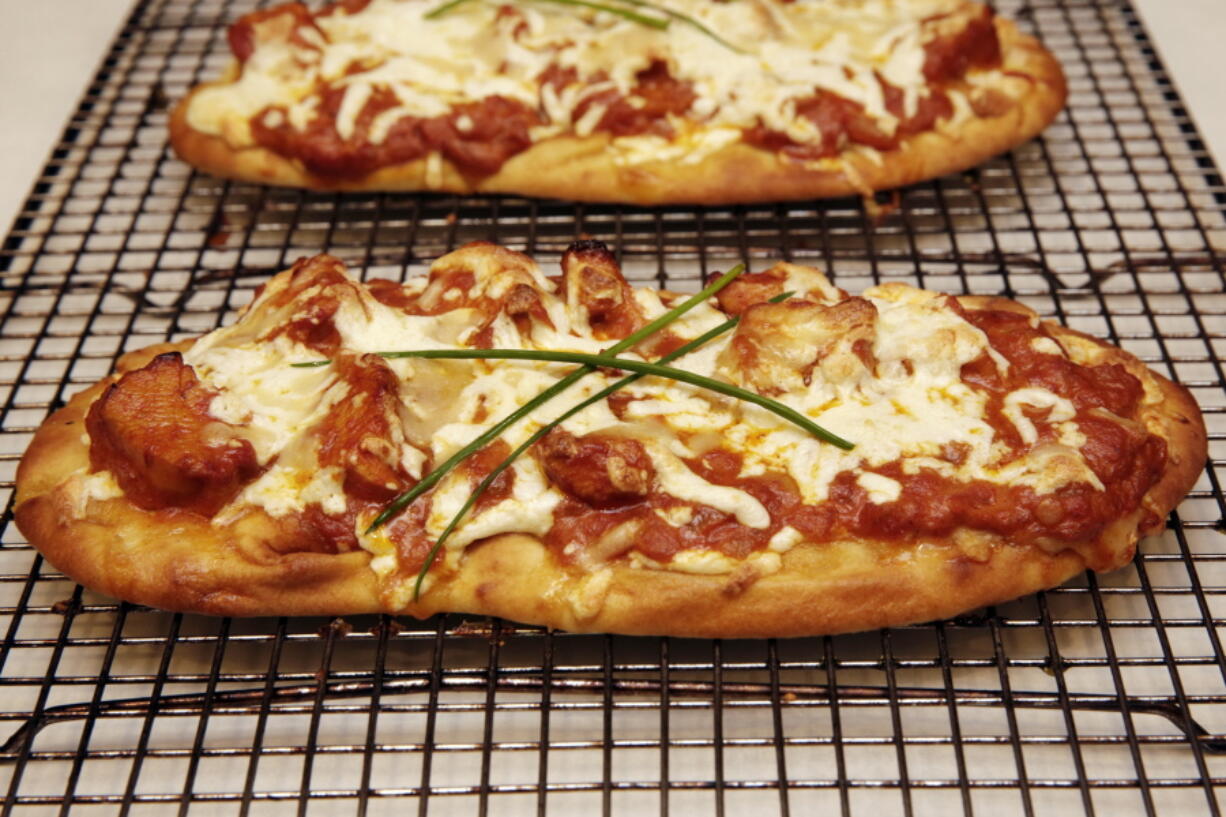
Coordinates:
(1106, 694)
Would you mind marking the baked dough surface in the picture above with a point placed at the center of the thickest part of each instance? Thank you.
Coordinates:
(587, 169)
(180, 561)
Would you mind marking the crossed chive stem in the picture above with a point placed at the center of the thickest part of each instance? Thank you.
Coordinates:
(616, 8)
(589, 363)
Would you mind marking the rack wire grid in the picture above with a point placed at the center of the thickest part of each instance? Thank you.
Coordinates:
(1105, 696)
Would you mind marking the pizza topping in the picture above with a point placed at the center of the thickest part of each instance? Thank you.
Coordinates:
(965, 419)
(527, 508)
(879, 488)
(152, 430)
(540, 399)
(357, 87)
(597, 296)
(480, 465)
(750, 289)
(482, 259)
(1018, 403)
(1110, 386)
(601, 470)
(284, 490)
(304, 311)
(344, 139)
(963, 41)
(928, 110)
(775, 407)
(778, 347)
(655, 97)
(289, 22)
(759, 287)
(362, 434)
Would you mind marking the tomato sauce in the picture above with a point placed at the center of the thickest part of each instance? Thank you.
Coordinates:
(479, 137)
(480, 465)
(320, 532)
(656, 95)
(976, 45)
(929, 109)
(286, 19)
(407, 532)
(842, 121)
(1125, 458)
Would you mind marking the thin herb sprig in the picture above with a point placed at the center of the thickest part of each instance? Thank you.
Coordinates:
(660, 24)
(537, 435)
(609, 362)
(493, 432)
(657, 23)
(687, 19)
(634, 17)
(439, 11)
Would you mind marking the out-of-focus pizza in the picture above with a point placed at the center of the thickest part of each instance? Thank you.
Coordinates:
(643, 101)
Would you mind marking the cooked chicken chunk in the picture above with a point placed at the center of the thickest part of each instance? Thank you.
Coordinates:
(153, 431)
(599, 469)
(782, 347)
(752, 288)
(597, 293)
(362, 432)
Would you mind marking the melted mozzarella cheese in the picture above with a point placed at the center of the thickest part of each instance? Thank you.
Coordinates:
(273, 402)
(780, 53)
(282, 490)
(908, 412)
(1061, 408)
(785, 539)
(880, 488)
(529, 509)
(676, 479)
(100, 486)
(1045, 346)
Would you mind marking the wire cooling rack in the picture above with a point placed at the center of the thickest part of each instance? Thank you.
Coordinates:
(1105, 696)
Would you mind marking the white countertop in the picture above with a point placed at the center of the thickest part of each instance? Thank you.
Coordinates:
(53, 47)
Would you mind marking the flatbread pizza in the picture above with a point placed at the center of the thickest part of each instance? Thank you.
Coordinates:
(967, 453)
(639, 101)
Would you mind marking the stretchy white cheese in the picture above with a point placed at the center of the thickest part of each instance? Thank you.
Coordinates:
(773, 55)
(908, 409)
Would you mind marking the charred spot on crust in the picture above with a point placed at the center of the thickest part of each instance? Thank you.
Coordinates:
(586, 245)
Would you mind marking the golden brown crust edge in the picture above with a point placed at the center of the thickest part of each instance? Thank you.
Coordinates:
(174, 561)
(583, 169)
(178, 562)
